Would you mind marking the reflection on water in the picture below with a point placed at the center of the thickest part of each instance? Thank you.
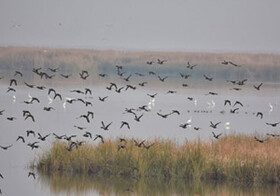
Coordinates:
(88, 185)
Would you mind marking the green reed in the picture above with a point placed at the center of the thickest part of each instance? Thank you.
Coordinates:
(235, 158)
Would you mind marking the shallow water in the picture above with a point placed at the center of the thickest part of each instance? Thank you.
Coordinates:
(197, 112)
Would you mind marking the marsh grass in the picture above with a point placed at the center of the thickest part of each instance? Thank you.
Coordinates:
(235, 158)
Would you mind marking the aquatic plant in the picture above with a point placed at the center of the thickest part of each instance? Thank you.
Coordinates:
(237, 158)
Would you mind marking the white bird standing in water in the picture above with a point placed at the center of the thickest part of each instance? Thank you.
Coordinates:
(14, 98)
(151, 103)
(271, 107)
(50, 100)
(227, 125)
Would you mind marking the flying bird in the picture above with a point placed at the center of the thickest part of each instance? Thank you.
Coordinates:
(216, 136)
(258, 86)
(105, 127)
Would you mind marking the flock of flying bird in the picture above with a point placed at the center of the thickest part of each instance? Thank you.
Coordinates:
(53, 94)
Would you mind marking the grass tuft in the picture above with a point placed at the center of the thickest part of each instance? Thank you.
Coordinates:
(235, 158)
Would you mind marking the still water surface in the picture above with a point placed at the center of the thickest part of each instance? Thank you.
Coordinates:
(195, 106)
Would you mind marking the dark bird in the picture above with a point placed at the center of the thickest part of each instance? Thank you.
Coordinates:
(43, 138)
(259, 140)
(139, 74)
(238, 103)
(207, 78)
(57, 95)
(161, 61)
(127, 78)
(273, 124)
(148, 146)
(28, 132)
(227, 102)
(214, 125)
(88, 134)
(88, 91)
(71, 146)
(190, 98)
(85, 117)
(119, 89)
(6, 147)
(235, 65)
(212, 93)
(189, 66)
(163, 115)
(145, 108)
(83, 75)
(11, 118)
(10, 89)
(51, 90)
(150, 62)
(241, 82)
(137, 118)
(77, 91)
(41, 87)
(99, 136)
(185, 76)
(175, 112)
(234, 110)
(130, 86)
(53, 69)
(29, 85)
(143, 83)
(13, 81)
(1, 176)
(184, 126)
(273, 135)
(68, 138)
(119, 67)
(18, 73)
(225, 62)
(32, 174)
(48, 109)
(171, 92)
(152, 96)
(90, 114)
(124, 123)
(87, 103)
(59, 137)
(34, 99)
(185, 85)
(258, 87)
(80, 128)
(123, 140)
(103, 75)
(260, 114)
(65, 76)
(33, 145)
(111, 86)
(102, 98)
(197, 128)
(162, 79)
(105, 127)
(30, 116)
(25, 113)
(1, 112)
(216, 136)
(139, 144)
(121, 147)
(152, 73)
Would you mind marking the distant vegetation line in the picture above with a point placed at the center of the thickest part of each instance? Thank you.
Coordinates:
(259, 67)
(237, 158)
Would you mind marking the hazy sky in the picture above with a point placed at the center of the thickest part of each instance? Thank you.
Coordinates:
(167, 25)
